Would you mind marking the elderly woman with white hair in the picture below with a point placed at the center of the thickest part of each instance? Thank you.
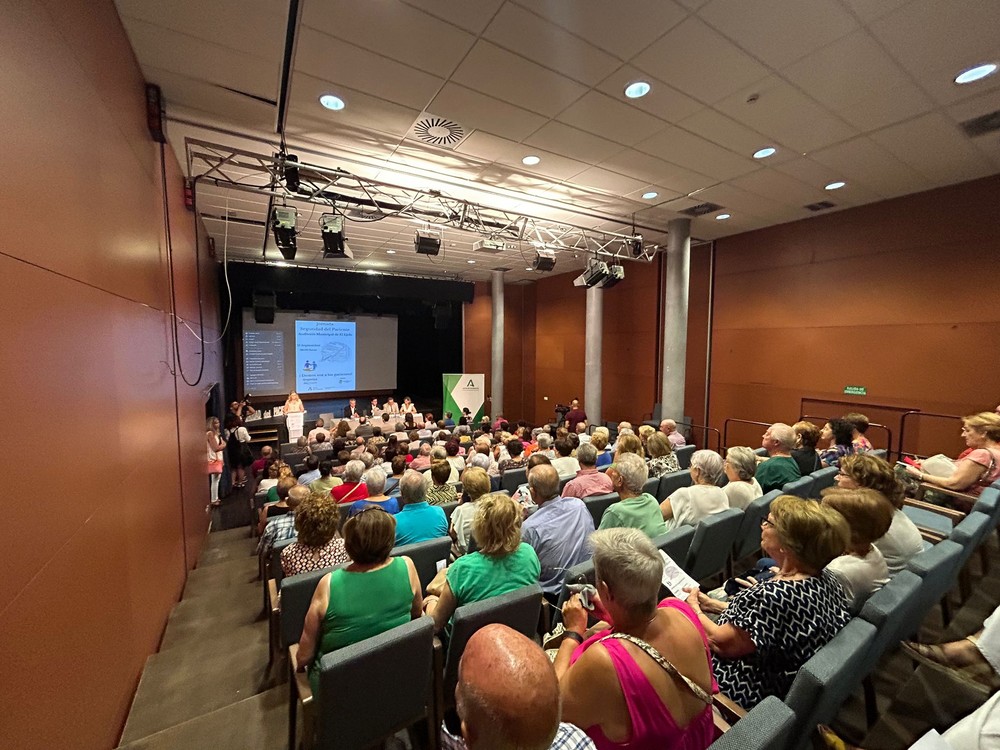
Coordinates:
(740, 466)
(374, 479)
(354, 487)
(644, 679)
(689, 505)
(635, 509)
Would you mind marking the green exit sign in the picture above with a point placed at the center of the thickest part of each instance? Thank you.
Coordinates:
(855, 390)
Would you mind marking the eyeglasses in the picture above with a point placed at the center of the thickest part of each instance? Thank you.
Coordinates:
(766, 522)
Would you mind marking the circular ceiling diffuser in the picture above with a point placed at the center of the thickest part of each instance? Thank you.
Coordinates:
(438, 131)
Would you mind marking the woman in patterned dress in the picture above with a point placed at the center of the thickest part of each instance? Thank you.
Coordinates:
(319, 544)
(769, 630)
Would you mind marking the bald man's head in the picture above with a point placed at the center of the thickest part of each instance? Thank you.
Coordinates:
(507, 694)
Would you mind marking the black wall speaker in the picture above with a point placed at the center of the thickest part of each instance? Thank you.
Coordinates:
(264, 304)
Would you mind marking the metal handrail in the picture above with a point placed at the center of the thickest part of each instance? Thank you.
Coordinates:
(906, 415)
(705, 429)
(725, 427)
(888, 432)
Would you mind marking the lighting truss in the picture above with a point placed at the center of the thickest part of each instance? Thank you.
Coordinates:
(362, 200)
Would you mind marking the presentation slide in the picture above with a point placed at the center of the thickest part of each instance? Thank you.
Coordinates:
(318, 353)
(324, 356)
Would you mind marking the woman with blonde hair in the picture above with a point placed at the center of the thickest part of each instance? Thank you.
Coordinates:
(629, 443)
(216, 446)
(662, 459)
(861, 570)
(502, 563)
(977, 469)
(475, 484)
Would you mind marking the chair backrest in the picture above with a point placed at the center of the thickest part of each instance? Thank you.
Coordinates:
(713, 541)
(684, 454)
(652, 486)
(449, 508)
(893, 611)
(597, 504)
(676, 543)
(825, 681)
(425, 556)
(970, 533)
(760, 451)
(276, 572)
(517, 609)
(879, 453)
(800, 487)
(822, 479)
(405, 652)
(767, 726)
(576, 574)
(748, 536)
(564, 481)
(938, 567)
(989, 503)
(670, 483)
(296, 594)
(513, 478)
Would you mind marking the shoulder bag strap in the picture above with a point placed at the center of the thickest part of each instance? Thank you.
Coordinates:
(669, 668)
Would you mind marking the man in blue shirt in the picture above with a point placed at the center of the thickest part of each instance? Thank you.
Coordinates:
(558, 531)
(417, 521)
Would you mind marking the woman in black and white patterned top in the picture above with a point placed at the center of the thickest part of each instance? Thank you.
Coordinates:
(319, 544)
(769, 630)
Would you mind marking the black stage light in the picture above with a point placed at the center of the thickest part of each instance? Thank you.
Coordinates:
(283, 225)
(334, 242)
(545, 260)
(427, 241)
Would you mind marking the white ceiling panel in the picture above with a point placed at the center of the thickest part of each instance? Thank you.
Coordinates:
(736, 200)
(869, 10)
(525, 33)
(662, 101)
(780, 187)
(182, 92)
(699, 61)
(362, 110)
(936, 147)
(817, 176)
(787, 115)
(725, 131)
(562, 139)
(681, 147)
(610, 26)
(610, 118)
(341, 63)
(472, 17)
(652, 170)
(607, 181)
(873, 166)
(393, 29)
(523, 84)
(779, 31)
(475, 110)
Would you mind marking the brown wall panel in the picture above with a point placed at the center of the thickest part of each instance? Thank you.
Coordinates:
(101, 553)
(899, 297)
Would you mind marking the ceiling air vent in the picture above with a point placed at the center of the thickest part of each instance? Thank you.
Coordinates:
(437, 131)
(982, 125)
(701, 209)
(821, 206)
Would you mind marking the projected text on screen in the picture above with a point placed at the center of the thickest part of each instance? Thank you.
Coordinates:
(325, 356)
(263, 361)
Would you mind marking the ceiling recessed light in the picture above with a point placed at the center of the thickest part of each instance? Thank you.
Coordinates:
(835, 185)
(390, 252)
(531, 161)
(650, 195)
(722, 217)
(976, 73)
(282, 264)
(331, 102)
(529, 268)
(764, 153)
(471, 262)
(371, 272)
(637, 89)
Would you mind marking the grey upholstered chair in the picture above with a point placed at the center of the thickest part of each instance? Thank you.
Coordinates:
(712, 544)
(425, 556)
(767, 726)
(670, 483)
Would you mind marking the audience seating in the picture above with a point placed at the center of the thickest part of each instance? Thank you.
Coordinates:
(713, 540)
(894, 611)
(335, 723)
(652, 486)
(564, 481)
(577, 574)
(827, 679)
(801, 487)
(760, 451)
(670, 483)
(748, 535)
(767, 726)
(880, 453)
(676, 543)
(425, 556)
(822, 479)
(513, 478)
(938, 567)
(684, 455)
(597, 504)
(969, 534)
(519, 610)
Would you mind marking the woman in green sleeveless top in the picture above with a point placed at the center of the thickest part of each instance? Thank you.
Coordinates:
(373, 594)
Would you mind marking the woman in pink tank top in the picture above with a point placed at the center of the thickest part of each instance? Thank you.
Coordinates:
(645, 682)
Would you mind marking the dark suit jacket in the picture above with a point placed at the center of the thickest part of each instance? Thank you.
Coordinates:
(347, 411)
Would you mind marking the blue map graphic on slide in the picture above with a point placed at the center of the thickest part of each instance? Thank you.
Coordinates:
(325, 355)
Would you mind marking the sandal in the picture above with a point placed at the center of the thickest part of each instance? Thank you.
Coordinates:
(979, 675)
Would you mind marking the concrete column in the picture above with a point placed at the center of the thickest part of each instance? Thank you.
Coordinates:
(496, 377)
(594, 336)
(675, 317)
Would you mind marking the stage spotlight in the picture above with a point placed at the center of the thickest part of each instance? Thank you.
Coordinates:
(615, 275)
(594, 274)
(291, 172)
(427, 241)
(635, 245)
(283, 225)
(545, 260)
(334, 242)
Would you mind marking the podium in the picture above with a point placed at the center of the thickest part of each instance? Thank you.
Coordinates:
(295, 421)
